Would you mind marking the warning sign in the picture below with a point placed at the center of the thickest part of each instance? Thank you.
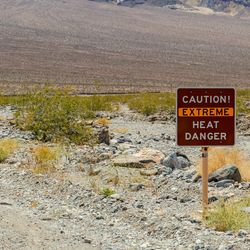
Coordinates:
(205, 116)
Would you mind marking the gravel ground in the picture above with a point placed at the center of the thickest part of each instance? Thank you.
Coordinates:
(65, 210)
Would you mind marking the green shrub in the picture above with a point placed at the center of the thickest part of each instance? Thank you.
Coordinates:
(3, 155)
(53, 115)
(150, 103)
(107, 191)
(243, 96)
(228, 216)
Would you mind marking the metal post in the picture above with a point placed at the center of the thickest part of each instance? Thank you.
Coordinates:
(204, 180)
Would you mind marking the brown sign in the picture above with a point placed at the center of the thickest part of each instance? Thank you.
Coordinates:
(205, 116)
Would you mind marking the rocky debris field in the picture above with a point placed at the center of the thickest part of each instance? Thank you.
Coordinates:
(139, 191)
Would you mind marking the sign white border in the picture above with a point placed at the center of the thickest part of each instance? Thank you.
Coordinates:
(176, 116)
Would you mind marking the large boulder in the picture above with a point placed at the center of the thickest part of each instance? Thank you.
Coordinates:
(140, 159)
(153, 155)
(176, 161)
(230, 172)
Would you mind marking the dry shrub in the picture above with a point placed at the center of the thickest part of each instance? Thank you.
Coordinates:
(219, 157)
(46, 158)
(7, 147)
(103, 121)
(44, 154)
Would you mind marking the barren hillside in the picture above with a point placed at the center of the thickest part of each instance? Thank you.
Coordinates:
(78, 41)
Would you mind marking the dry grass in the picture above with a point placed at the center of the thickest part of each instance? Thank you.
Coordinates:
(228, 215)
(114, 178)
(2, 118)
(45, 154)
(7, 147)
(120, 130)
(219, 157)
(243, 96)
(46, 158)
(94, 184)
(141, 180)
(33, 204)
(103, 121)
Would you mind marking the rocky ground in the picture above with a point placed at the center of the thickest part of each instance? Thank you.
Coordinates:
(155, 205)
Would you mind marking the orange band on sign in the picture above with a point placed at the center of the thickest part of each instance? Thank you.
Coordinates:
(205, 112)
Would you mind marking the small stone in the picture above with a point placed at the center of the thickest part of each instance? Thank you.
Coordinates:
(139, 205)
(212, 199)
(93, 172)
(176, 161)
(246, 209)
(196, 178)
(116, 197)
(149, 172)
(46, 218)
(198, 241)
(5, 203)
(242, 233)
(136, 187)
(186, 199)
(244, 185)
(224, 183)
(99, 217)
(174, 189)
(103, 135)
(167, 171)
(88, 241)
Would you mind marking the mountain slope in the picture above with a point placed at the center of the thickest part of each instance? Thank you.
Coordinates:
(82, 42)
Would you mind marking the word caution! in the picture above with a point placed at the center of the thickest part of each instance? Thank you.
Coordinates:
(205, 116)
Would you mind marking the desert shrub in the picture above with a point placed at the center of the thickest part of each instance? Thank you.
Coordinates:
(219, 157)
(96, 103)
(150, 103)
(228, 215)
(11, 100)
(45, 154)
(53, 115)
(45, 157)
(7, 147)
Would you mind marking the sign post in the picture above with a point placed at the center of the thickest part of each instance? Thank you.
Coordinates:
(205, 117)
(204, 180)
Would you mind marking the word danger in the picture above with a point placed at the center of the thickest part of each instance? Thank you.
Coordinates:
(218, 136)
